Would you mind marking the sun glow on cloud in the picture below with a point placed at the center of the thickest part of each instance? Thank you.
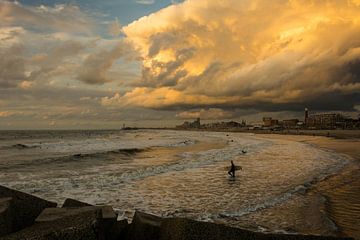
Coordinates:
(235, 53)
(206, 58)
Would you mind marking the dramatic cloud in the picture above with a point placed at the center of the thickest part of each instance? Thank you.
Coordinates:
(97, 65)
(40, 43)
(55, 61)
(44, 52)
(63, 64)
(163, 97)
(247, 53)
(43, 44)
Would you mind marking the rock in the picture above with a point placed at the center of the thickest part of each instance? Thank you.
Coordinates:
(144, 227)
(24, 207)
(53, 214)
(118, 230)
(108, 213)
(5, 216)
(70, 225)
(91, 222)
(69, 202)
(107, 223)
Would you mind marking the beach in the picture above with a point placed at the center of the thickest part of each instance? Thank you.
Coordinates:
(338, 196)
(289, 184)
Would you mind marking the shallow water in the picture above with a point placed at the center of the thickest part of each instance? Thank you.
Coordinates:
(174, 173)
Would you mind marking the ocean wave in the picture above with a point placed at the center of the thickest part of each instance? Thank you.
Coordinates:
(285, 196)
(187, 161)
(97, 156)
(20, 146)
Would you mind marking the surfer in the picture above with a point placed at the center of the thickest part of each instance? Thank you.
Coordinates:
(232, 169)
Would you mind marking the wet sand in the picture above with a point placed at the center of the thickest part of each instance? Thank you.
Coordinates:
(335, 200)
(338, 134)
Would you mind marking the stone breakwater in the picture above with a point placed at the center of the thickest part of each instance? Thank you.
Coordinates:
(23, 216)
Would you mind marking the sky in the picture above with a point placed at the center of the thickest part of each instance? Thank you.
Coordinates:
(96, 64)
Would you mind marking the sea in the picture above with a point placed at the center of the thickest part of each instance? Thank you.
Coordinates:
(178, 174)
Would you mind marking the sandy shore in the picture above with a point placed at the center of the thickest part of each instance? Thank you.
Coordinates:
(340, 191)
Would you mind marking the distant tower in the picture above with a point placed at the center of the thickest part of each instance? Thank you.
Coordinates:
(306, 116)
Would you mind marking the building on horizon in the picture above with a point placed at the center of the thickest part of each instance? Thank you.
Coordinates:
(291, 123)
(270, 122)
(326, 121)
(212, 126)
(329, 121)
(194, 124)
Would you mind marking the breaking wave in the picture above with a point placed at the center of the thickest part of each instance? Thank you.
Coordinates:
(23, 146)
(76, 158)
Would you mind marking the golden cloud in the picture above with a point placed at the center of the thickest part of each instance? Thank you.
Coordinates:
(205, 52)
(159, 98)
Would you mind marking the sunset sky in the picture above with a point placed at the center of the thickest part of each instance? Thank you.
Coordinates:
(101, 63)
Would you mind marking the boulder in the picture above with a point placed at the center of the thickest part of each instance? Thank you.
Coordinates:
(108, 225)
(70, 225)
(69, 202)
(144, 227)
(53, 214)
(5, 216)
(91, 222)
(24, 207)
(118, 230)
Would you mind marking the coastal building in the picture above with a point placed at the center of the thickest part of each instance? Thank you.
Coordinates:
(290, 123)
(186, 124)
(224, 125)
(352, 123)
(325, 120)
(270, 122)
(212, 126)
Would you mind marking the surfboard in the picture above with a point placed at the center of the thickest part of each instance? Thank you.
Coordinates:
(236, 168)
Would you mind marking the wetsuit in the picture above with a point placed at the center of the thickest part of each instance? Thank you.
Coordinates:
(232, 170)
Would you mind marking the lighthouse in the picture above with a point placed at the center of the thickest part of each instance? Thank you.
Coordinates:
(306, 116)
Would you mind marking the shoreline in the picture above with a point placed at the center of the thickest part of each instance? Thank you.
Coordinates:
(322, 196)
(337, 134)
(340, 192)
(25, 216)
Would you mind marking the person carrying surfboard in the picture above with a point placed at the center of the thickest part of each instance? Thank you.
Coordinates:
(233, 168)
